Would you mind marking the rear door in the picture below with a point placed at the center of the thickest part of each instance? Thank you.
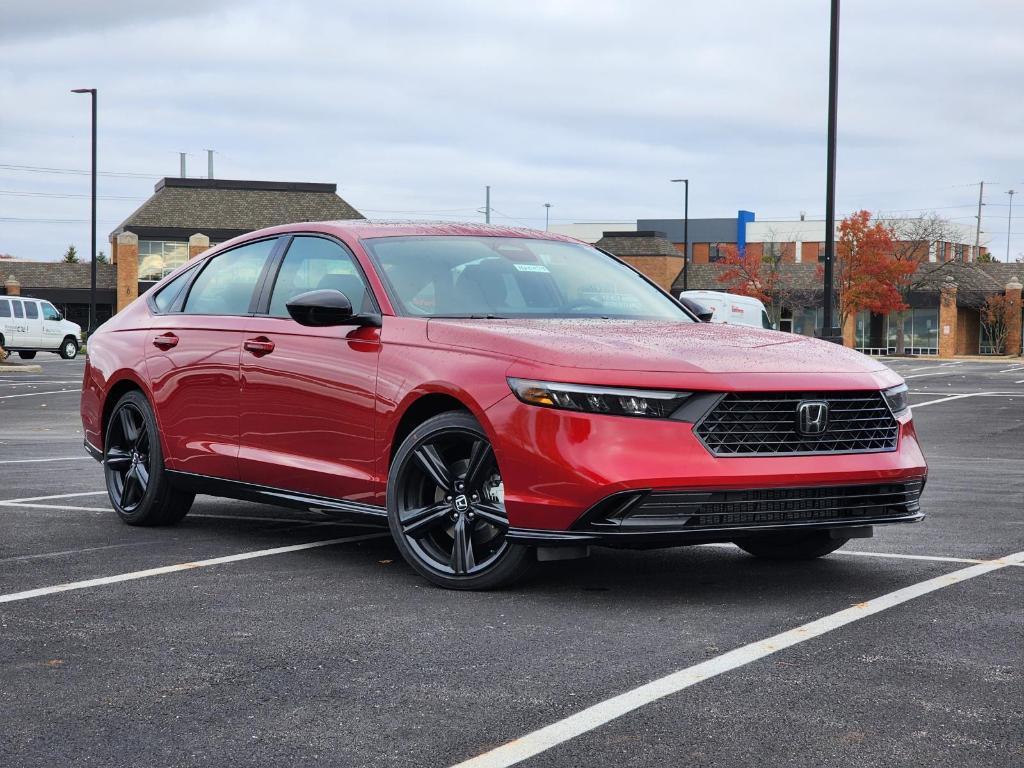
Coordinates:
(8, 328)
(307, 399)
(192, 357)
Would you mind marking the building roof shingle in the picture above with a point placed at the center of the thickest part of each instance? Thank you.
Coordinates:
(225, 206)
(56, 274)
(642, 243)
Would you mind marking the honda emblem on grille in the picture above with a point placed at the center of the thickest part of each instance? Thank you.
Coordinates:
(812, 417)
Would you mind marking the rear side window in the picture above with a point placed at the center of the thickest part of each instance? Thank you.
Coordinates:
(314, 263)
(227, 282)
(5, 308)
(31, 310)
(167, 295)
(18, 311)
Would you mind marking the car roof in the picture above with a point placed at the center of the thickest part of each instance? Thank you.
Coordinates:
(366, 228)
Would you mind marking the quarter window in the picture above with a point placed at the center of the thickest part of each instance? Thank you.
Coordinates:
(167, 295)
(227, 282)
(314, 263)
(31, 310)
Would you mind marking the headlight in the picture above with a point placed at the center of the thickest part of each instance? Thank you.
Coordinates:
(651, 403)
(897, 399)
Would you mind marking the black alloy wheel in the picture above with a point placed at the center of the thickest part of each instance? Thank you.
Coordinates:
(133, 467)
(128, 456)
(446, 506)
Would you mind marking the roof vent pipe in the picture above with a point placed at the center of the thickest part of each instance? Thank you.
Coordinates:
(181, 155)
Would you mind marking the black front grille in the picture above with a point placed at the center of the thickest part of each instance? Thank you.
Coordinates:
(756, 507)
(766, 423)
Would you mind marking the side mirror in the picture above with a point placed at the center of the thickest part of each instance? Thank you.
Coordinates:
(705, 316)
(326, 307)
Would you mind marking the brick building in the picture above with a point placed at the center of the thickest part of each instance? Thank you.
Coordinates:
(180, 220)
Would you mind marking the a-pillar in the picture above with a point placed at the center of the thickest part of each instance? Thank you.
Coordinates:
(127, 269)
(1014, 321)
(947, 320)
(197, 244)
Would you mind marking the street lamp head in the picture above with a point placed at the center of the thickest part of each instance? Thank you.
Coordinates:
(547, 205)
(685, 181)
(83, 90)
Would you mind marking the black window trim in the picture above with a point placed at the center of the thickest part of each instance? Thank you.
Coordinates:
(266, 290)
(179, 303)
(151, 294)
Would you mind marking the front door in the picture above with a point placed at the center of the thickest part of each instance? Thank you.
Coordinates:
(53, 327)
(192, 356)
(307, 399)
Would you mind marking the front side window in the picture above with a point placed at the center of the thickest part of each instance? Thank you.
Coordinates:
(18, 311)
(314, 263)
(227, 282)
(158, 258)
(50, 312)
(436, 276)
(31, 310)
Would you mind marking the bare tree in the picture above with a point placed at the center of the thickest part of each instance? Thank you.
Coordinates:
(913, 241)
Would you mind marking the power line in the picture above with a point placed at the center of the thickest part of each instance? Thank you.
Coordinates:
(74, 171)
(17, 193)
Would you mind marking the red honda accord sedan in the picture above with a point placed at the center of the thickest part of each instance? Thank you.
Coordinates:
(497, 396)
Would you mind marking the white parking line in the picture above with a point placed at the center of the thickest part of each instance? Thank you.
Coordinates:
(36, 394)
(27, 505)
(35, 461)
(603, 712)
(920, 375)
(133, 575)
(915, 406)
(54, 496)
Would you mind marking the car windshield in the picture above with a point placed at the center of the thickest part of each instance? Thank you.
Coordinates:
(437, 276)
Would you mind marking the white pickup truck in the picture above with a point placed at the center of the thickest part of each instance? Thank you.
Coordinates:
(31, 325)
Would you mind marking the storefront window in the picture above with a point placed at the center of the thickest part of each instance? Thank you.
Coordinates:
(160, 257)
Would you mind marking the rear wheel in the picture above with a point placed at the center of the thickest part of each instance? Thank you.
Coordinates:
(446, 507)
(27, 355)
(68, 349)
(791, 546)
(134, 467)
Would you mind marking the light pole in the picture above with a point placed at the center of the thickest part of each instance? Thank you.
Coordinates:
(92, 240)
(828, 330)
(1009, 225)
(686, 231)
(547, 215)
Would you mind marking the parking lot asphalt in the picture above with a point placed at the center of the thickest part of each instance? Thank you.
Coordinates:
(337, 654)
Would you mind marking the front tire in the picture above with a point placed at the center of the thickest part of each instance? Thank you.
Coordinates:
(791, 546)
(133, 466)
(68, 349)
(27, 355)
(446, 508)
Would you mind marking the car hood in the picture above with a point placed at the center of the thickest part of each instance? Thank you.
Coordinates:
(649, 345)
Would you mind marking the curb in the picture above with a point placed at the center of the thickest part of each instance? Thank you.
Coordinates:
(6, 368)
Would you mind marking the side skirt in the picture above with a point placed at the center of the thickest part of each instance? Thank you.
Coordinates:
(235, 489)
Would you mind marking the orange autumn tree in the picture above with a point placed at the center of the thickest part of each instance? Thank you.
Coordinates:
(867, 275)
(748, 274)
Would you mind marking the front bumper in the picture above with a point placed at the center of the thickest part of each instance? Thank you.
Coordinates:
(560, 466)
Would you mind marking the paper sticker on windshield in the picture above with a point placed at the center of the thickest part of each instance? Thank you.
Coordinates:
(531, 267)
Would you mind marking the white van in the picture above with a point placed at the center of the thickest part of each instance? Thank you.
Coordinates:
(731, 308)
(30, 325)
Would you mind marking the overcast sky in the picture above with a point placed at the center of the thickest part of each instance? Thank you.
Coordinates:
(412, 107)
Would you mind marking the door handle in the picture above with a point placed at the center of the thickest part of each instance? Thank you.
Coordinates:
(165, 341)
(259, 346)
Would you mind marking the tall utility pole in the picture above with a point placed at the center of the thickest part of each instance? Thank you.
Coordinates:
(209, 163)
(1009, 224)
(487, 205)
(547, 217)
(977, 231)
(92, 240)
(686, 230)
(828, 330)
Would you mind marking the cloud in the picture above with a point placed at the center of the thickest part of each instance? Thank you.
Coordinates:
(592, 106)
